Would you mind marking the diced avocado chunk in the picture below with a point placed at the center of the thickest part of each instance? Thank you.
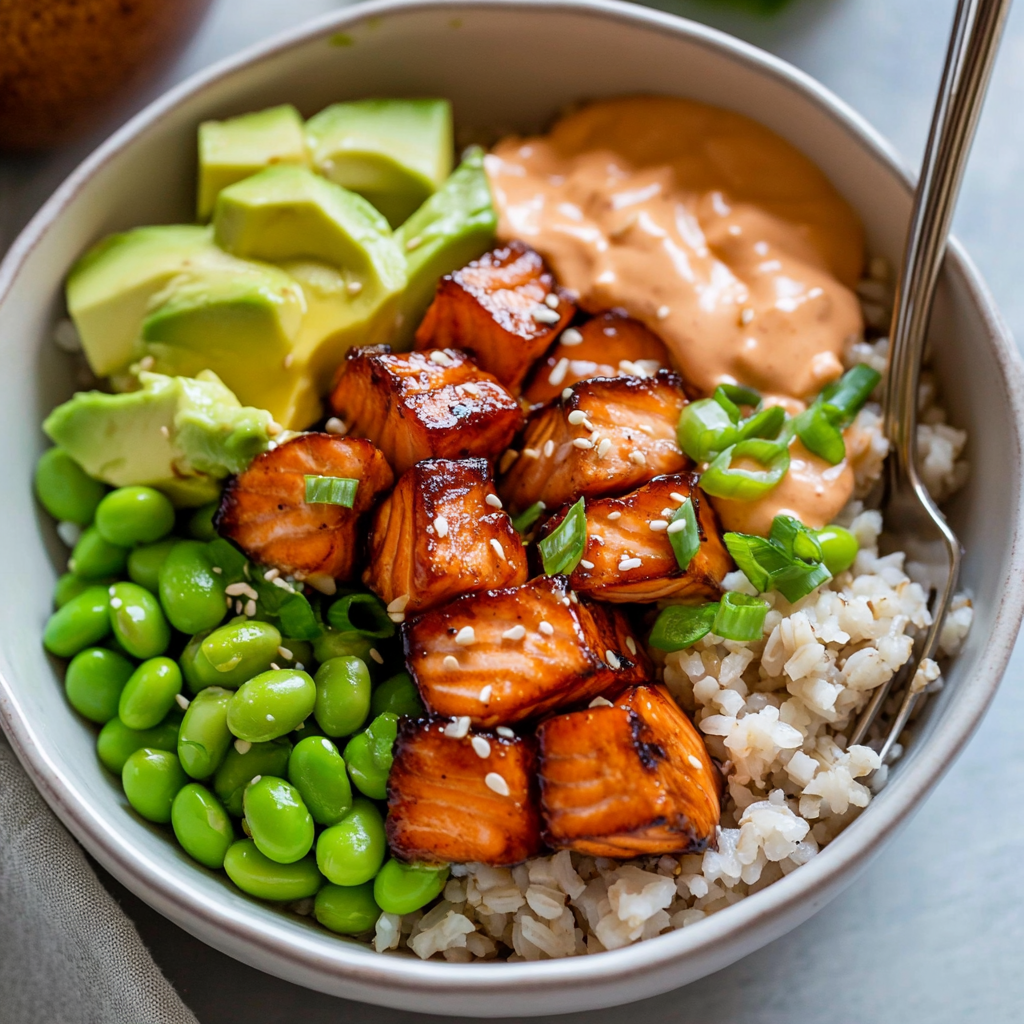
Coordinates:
(110, 287)
(177, 434)
(455, 225)
(233, 149)
(396, 153)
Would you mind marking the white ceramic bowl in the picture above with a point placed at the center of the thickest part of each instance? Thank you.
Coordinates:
(505, 65)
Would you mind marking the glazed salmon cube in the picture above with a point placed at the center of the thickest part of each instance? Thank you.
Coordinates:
(629, 554)
(264, 510)
(424, 405)
(503, 308)
(607, 436)
(502, 656)
(610, 345)
(455, 796)
(440, 533)
(627, 780)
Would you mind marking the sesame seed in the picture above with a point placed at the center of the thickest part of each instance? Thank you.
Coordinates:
(677, 527)
(596, 538)
(663, 312)
(218, 570)
(695, 761)
(531, 453)
(498, 549)
(274, 665)
(576, 417)
(586, 564)
(573, 597)
(676, 496)
(582, 442)
(549, 448)
(604, 447)
(457, 728)
(551, 300)
(165, 430)
(631, 645)
(250, 608)
(240, 589)
(243, 746)
(507, 459)
(147, 363)
(465, 636)
(271, 574)
(637, 458)
(288, 360)
(414, 243)
(600, 702)
(544, 315)
(336, 426)
(570, 337)
(492, 780)
(746, 316)
(441, 358)
(300, 727)
(471, 389)
(589, 426)
(283, 584)
(515, 633)
(480, 746)
(397, 617)
(285, 653)
(629, 563)
(505, 732)
(274, 428)
(238, 606)
(255, 779)
(116, 602)
(450, 663)
(557, 375)
(485, 694)
(566, 394)
(399, 604)
(441, 526)
(658, 525)
(546, 628)
(354, 287)
(69, 532)
(375, 654)
(613, 659)
(612, 516)
(182, 701)
(493, 500)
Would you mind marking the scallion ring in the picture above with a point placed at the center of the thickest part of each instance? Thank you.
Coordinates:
(723, 480)
(562, 549)
(847, 395)
(757, 557)
(331, 490)
(705, 428)
(820, 435)
(765, 424)
(684, 533)
(740, 617)
(363, 614)
(681, 625)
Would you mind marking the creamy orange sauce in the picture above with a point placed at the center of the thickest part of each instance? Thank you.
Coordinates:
(720, 236)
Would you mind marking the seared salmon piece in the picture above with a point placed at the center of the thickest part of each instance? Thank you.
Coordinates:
(440, 533)
(629, 555)
(607, 436)
(501, 656)
(503, 308)
(424, 405)
(264, 510)
(610, 345)
(627, 780)
(455, 796)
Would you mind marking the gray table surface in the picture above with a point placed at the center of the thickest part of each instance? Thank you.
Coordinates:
(933, 931)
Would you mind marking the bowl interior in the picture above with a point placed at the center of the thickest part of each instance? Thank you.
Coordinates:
(506, 66)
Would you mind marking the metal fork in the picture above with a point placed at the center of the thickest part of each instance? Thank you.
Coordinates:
(913, 521)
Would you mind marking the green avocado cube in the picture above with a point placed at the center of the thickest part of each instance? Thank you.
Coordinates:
(396, 153)
(233, 149)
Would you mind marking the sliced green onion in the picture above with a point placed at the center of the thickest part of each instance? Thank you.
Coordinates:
(562, 549)
(705, 429)
(364, 614)
(685, 539)
(767, 423)
(724, 481)
(819, 434)
(732, 410)
(681, 625)
(331, 490)
(740, 617)
(847, 395)
(807, 546)
(757, 557)
(298, 621)
(738, 395)
(522, 522)
(799, 579)
(226, 557)
(795, 539)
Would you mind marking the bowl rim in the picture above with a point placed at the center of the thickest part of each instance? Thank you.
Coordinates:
(811, 885)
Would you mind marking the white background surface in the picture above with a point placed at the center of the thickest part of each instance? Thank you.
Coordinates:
(934, 930)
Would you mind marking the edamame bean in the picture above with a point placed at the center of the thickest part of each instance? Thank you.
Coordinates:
(200, 524)
(239, 769)
(201, 825)
(235, 652)
(368, 756)
(256, 874)
(149, 693)
(82, 622)
(94, 682)
(342, 695)
(402, 888)
(332, 644)
(138, 620)
(134, 515)
(151, 779)
(346, 909)
(94, 557)
(838, 548)
(204, 737)
(352, 851)
(191, 593)
(270, 705)
(278, 820)
(65, 490)
(397, 695)
(317, 771)
(69, 585)
(144, 563)
(116, 742)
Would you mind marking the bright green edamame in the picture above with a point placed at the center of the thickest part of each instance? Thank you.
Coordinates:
(402, 888)
(352, 851)
(397, 695)
(201, 825)
(82, 622)
(342, 695)
(191, 593)
(94, 557)
(134, 515)
(346, 909)
(69, 585)
(234, 653)
(151, 779)
(204, 737)
(838, 548)
(144, 563)
(332, 644)
(368, 756)
(149, 693)
(138, 620)
(317, 771)
(94, 682)
(65, 490)
(270, 705)
(238, 770)
(279, 821)
(200, 524)
(256, 874)
(116, 742)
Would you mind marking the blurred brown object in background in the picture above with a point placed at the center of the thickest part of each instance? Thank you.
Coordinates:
(64, 64)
